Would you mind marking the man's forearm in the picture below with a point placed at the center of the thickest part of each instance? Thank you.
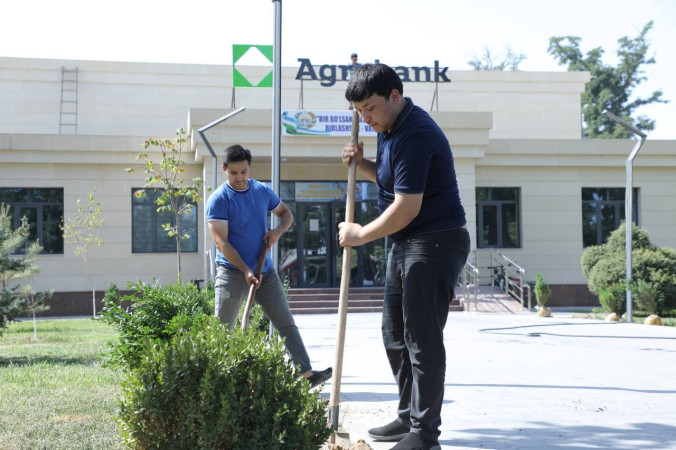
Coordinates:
(232, 255)
(367, 167)
(285, 221)
(392, 220)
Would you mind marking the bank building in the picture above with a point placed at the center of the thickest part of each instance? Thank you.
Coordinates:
(536, 194)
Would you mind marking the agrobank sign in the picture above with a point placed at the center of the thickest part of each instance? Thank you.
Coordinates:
(328, 74)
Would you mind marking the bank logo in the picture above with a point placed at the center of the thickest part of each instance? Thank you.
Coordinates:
(247, 61)
(301, 123)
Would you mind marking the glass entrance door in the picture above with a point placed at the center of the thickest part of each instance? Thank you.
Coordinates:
(320, 254)
(314, 244)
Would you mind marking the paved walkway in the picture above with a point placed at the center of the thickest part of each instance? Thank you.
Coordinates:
(491, 299)
(516, 381)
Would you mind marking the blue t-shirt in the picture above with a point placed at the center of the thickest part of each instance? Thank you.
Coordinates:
(246, 213)
(415, 158)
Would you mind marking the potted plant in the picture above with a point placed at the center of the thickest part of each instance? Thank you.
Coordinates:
(542, 293)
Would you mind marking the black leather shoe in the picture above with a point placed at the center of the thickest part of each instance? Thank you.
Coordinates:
(393, 431)
(318, 377)
(413, 441)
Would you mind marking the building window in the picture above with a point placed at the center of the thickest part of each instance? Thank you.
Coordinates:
(497, 219)
(602, 212)
(43, 207)
(148, 236)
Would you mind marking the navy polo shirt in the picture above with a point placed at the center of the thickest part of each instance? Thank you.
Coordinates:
(415, 158)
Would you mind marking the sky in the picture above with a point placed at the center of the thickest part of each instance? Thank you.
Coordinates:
(397, 32)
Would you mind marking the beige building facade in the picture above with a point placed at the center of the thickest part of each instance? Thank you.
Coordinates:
(531, 187)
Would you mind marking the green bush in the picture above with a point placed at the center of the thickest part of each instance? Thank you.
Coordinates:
(605, 265)
(154, 313)
(645, 296)
(617, 239)
(590, 257)
(542, 290)
(207, 388)
(613, 298)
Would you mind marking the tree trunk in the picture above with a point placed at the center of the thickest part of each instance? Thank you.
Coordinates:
(178, 246)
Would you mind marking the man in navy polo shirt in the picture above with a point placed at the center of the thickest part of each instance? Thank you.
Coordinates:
(420, 210)
(236, 214)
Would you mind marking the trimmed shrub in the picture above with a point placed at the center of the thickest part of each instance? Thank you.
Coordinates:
(617, 239)
(613, 298)
(542, 290)
(155, 313)
(645, 296)
(207, 388)
(590, 257)
(605, 265)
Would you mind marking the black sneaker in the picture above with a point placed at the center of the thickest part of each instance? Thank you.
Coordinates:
(318, 377)
(413, 441)
(393, 431)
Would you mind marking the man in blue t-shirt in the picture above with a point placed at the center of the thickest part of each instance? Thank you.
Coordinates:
(420, 209)
(236, 214)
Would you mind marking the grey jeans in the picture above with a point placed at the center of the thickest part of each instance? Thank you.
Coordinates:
(232, 289)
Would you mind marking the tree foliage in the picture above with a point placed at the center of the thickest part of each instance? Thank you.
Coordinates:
(16, 262)
(80, 230)
(177, 196)
(488, 60)
(610, 88)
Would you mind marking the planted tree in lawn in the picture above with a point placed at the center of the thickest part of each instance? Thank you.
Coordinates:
(16, 262)
(80, 230)
(176, 196)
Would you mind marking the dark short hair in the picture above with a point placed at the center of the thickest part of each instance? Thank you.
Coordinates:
(354, 55)
(236, 153)
(371, 79)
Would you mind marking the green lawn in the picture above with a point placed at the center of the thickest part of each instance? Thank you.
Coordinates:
(54, 392)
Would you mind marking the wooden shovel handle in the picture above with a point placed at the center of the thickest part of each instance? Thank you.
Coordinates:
(252, 289)
(334, 402)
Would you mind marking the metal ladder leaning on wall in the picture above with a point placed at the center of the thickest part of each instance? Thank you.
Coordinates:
(68, 107)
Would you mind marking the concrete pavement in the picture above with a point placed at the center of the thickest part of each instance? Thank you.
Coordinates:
(516, 381)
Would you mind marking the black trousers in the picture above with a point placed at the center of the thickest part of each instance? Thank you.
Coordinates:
(422, 273)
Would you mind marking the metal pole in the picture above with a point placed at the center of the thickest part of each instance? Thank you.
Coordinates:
(276, 114)
(214, 159)
(628, 205)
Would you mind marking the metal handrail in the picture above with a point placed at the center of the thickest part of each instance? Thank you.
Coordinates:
(513, 282)
(511, 263)
(470, 276)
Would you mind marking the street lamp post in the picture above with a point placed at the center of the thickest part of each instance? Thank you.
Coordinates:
(214, 159)
(628, 203)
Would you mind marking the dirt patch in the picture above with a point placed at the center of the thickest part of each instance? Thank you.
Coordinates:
(360, 445)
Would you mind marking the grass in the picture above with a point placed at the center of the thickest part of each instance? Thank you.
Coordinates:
(55, 392)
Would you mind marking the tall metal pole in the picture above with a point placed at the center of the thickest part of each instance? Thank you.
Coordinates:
(628, 204)
(276, 115)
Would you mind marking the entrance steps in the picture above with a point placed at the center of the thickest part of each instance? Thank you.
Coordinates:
(325, 300)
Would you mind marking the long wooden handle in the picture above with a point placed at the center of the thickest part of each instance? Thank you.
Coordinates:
(334, 402)
(252, 289)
